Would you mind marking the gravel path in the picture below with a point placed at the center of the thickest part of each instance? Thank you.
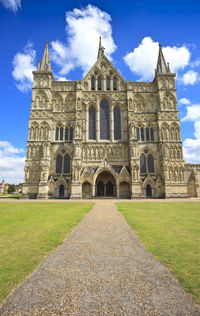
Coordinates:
(101, 269)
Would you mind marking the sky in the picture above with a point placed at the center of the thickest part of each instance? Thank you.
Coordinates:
(131, 32)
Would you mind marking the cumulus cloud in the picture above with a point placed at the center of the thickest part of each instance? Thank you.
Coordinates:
(184, 101)
(191, 146)
(24, 64)
(11, 163)
(12, 5)
(143, 59)
(190, 77)
(84, 26)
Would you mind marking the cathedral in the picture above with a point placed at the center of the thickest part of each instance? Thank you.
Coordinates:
(106, 137)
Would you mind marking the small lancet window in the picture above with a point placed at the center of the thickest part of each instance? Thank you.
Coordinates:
(142, 134)
(59, 164)
(66, 133)
(67, 164)
(107, 83)
(92, 83)
(147, 134)
(152, 134)
(138, 133)
(114, 83)
(61, 133)
(99, 83)
(71, 133)
(56, 136)
(143, 168)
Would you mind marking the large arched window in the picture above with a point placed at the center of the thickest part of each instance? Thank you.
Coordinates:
(92, 123)
(146, 162)
(59, 163)
(150, 163)
(117, 123)
(63, 162)
(104, 120)
(66, 163)
(143, 168)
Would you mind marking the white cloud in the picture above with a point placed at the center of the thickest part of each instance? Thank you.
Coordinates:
(13, 5)
(184, 101)
(193, 113)
(143, 60)
(191, 146)
(84, 26)
(190, 77)
(24, 64)
(11, 163)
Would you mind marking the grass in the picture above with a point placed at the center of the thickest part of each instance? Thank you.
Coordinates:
(28, 232)
(171, 231)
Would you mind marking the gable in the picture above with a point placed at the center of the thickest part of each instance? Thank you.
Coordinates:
(103, 68)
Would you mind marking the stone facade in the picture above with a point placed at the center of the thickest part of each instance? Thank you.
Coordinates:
(107, 137)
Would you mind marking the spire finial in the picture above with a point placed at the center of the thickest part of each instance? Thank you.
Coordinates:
(162, 67)
(45, 64)
(101, 49)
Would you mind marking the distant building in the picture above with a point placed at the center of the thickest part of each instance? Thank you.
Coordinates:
(3, 187)
(103, 136)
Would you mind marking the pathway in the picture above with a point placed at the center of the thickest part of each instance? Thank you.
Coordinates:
(101, 269)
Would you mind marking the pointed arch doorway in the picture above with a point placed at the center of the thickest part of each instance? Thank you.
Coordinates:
(148, 191)
(105, 185)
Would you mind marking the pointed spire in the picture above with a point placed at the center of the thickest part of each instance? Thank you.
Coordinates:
(162, 67)
(45, 64)
(101, 49)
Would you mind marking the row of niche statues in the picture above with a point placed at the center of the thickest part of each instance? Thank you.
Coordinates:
(38, 151)
(174, 174)
(39, 133)
(168, 133)
(173, 153)
(98, 152)
(138, 104)
(36, 173)
(59, 106)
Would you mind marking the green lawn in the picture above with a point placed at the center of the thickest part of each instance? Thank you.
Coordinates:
(28, 232)
(171, 231)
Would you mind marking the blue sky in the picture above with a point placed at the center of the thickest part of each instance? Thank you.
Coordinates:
(130, 33)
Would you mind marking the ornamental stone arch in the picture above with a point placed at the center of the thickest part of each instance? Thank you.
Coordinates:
(62, 188)
(151, 103)
(44, 131)
(138, 102)
(41, 100)
(34, 130)
(169, 102)
(149, 187)
(57, 102)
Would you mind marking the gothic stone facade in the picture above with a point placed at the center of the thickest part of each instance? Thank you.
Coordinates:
(103, 136)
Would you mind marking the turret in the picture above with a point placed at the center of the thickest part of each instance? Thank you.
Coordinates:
(45, 64)
(162, 67)
(101, 49)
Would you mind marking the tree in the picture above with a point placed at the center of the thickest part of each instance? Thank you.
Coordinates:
(11, 188)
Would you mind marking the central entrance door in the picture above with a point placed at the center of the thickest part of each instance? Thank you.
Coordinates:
(61, 191)
(148, 191)
(105, 185)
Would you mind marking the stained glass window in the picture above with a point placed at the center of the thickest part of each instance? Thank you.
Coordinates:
(114, 83)
(99, 83)
(138, 133)
(92, 123)
(71, 133)
(61, 133)
(92, 83)
(152, 134)
(150, 163)
(143, 168)
(67, 164)
(59, 164)
(104, 120)
(142, 134)
(147, 134)
(66, 133)
(117, 123)
(56, 137)
(107, 83)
